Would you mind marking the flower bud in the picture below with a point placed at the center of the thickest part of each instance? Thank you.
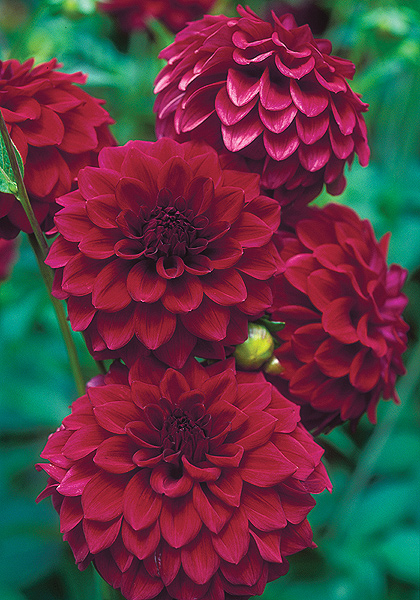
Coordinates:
(256, 350)
(273, 366)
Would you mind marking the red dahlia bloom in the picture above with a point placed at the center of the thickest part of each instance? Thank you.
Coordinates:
(192, 484)
(57, 128)
(268, 91)
(7, 257)
(342, 305)
(163, 247)
(134, 14)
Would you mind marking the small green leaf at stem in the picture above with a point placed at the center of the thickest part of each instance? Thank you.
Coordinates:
(8, 183)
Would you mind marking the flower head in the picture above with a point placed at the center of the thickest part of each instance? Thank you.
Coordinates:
(162, 249)
(344, 333)
(57, 128)
(191, 484)
(175, 14)
(270, 92)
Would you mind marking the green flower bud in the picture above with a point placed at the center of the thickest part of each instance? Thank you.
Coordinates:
(256, 350)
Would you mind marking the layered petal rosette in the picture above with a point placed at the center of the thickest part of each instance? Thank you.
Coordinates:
(192, 484)
(162, 249)
(57, 128)
(344, 335)
(270, 92)
(135, 14)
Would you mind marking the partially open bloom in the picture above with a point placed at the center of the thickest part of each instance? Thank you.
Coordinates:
(8, 250)
(57, 128)
(175, 14)
(344, 333)
(270, 92)
(163, 249)
(192, 484)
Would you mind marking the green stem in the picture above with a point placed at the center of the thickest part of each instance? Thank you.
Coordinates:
(61, 318)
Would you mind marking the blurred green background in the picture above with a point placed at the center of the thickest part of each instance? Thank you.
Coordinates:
(367, 530)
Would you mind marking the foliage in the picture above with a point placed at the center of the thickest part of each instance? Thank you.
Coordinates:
(367, 530)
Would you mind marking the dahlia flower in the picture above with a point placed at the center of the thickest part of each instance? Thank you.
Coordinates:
(344, 334)
(184, 484)
(57, 128)
(7, 257)
(163, 249)
(134, 14)
(268, 91)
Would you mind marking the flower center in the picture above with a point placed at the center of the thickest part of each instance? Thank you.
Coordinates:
(184, 435)
(168, 232)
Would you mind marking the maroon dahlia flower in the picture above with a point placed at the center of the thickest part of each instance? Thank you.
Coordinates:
(268, 91)
(344, 334)
(180, 485)
(163, 249)
(175, 14)
(57, 128)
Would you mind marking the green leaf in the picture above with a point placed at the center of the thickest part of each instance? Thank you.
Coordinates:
(7, 178)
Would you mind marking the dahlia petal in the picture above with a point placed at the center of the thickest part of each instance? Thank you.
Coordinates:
(274, 96)
(83, 441)
(143, 282)
(281, 146)
(229, 455)
(201, 473)
(251, 231)
(198, 264)
(79, 134)
(240, 87)
(73, 223)
(297, 538)
(117, 328)
(177, 350)
(259, 298)
(102, 498)
(308, 97)
(109, 290)
(100, 535)
(46, 130)
(232, 542)
(208, 321)
(79, 275)
(263, 508)
(115, 455)
(143, 435)
(194, 109)
(297, 454)
(246, 573)
(333, 358)
(228, 487)
(227, 205)
(344, 114)
(315, 156)
(268, 544)
(145, 168)
(199, 560)
(226, 254)
(183, 587)
(365, 370)
(228, 112)
(255, 432)
(298, 270)
(342, 145)
(142, 543)
(303, 68)
(183, 294)
(175, 175)
(122, 557)
(152, 325)
(61, 251)
(103, 211)
(163, 481)
(114, 416)
(372, 337)
(147, 457)
(323, 287)
(239, 136)
(179, 521)
(225, 288)
(98, 243)
(77, 541)
(213, 512)
(107, 567)
(332, 82)
(132, 194)
(95, 182)
(170, 267)
(44, 168)
(71, 513)
(75, 480)
(336, 320)
(141, 505)
(137, 583)
(258, 263)
(311, 129)
(265, 466)
(277, 121)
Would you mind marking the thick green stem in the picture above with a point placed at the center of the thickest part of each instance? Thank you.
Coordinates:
(61, 318)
